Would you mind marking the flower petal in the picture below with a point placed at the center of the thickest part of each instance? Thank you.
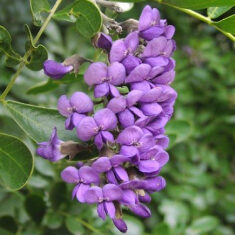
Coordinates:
(102, 164)
(81, 102)
(162, 158)
(112, 192)
(101, 211)
(157, 61)
(101, 90)
(107, 136)
(152, 32)
(151, 95)
(151, 109)
(88, 175)
(130, 62)
(155, 184)
(129, 135)
(95, 73)
(111, 177)
(93, 195)
(70, 175)
(98, 140)
(146, 142)
(132, 41)
(165, 78)
(105, 119)
(113, 91)
(145, 19)
(121, 173)
(148, 166)
(81, 191)
(129, 197)
(141, 210)
(116, 73)
(169, 31)
(117, 160)
(133, 97)
(117, 104)
(64, 106)
(139, 73)
(126, 118)
(110, 209)
(118, 51)
(120, 225)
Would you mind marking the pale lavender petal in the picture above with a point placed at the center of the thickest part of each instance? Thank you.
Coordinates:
(129, 197)
(76, 118)
(131, 152)
(93, 195)
(151, 95)
(81, 102)
(117, 160)
(112, 192)
(130, 62)
(105, 119)
(102, 164)
(116, 73)
(121, 173)
(107, 136)
(111, 177)
(148, 166)
(69, 123)
(162, 140)
(165, 78)
(109, 209)
(137, 112)
(150, 153)
(101, 211)
(75, 189)
(129, 135)
(168, 93)
(126, 118)
(98, 140)
(131, 42)
(118, 51)
(133, 97)
(142, 86)
(146, 142)
(155, 71)
(101, 90)
(96, 73)
(64, 106)
(117, 104)
(162, 158)
(151, 109)
(88, 175)
(81, 191)
(86, 129)
(157, 123)
(169, 49)
(155, 184)
(169, 31)
(139, 73)
(152, 32)
(141, 210)
(120, 225)
(155, 47)
(155, 16)
(114, 91)
(70, 175)
(145, 19)
(157, 61)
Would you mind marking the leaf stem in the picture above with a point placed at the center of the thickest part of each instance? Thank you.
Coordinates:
(200, 17)
(28, 53)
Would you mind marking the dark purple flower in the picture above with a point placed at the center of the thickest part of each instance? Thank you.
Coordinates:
(105, 78)
(98, 126)
(51, 150)
(124, 47)
(56, 70)
(82, 177)
(112, 166)
(103, 41)
(130, 62)
(120, 224)
(74, 108)
(104, 197)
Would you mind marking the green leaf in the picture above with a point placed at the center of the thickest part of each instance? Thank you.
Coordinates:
(16, 162)
(52, 220)
(35, 207)
(56, 197)
(199, 4)
(38, 53)
(161, 229)
(37, 8)
(214, 12)
(203, 225)
(73, 226)
(42, 87)
(44, 167)
(38, 122)
(227, 24)
(12, 58)
(86, 14)
(8, 223)
(178, 131)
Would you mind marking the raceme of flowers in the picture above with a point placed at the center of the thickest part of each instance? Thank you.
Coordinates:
(129, 130)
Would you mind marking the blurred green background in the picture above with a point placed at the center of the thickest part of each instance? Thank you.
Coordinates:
(200, 193)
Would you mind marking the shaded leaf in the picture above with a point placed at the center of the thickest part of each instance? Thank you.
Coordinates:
(12, 58)
(73, 225)
(44, 167)
(38, 122)
(35, 207)
(52, 220)
(56, 197)
(214, 12)
(200, 4)
(16, 162)
(227, 24)
(37, 8)
(8, 223)
(42, 87)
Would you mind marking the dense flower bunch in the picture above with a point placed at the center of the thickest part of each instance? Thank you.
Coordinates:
(129, 130)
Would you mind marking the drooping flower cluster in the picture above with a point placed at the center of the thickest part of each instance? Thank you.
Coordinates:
(129, 130)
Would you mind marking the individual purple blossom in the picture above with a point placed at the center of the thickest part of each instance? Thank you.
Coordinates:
(56, 70)
(103, 41)
(104, 197)
(120, 224)
(51, 150)
(98, 127)
(112, 167)
(105, 78)
(82, 177)
(74, 108)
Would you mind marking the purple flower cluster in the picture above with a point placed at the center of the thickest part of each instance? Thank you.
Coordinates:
(129, 130)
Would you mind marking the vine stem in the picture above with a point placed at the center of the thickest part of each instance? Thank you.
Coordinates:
(200, 17)
(28, 53)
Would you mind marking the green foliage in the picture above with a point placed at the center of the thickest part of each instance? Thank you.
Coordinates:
(16, 163)
(227, 24)
(215, 12)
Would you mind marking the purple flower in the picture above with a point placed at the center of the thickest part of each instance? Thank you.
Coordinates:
(82, 177)
(112, 166)
(103, 41)
(104, 197)
(56, 70)
(120, 225)
(74, 108)
(51, 150)
(105, 78)
(124, 47)
(98, 126)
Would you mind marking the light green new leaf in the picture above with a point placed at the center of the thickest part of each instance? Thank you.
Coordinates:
(227, 24)
(86, 14)
(38, 122)
(42, 87)
(37, 8)
(12, 58)
(215, 12)
(38, 53)
(16, 162)
(199, 4)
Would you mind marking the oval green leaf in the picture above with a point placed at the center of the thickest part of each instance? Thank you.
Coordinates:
(38, 122)
(215, 12)
(227, 24)
(16, 162)
(42, 87)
